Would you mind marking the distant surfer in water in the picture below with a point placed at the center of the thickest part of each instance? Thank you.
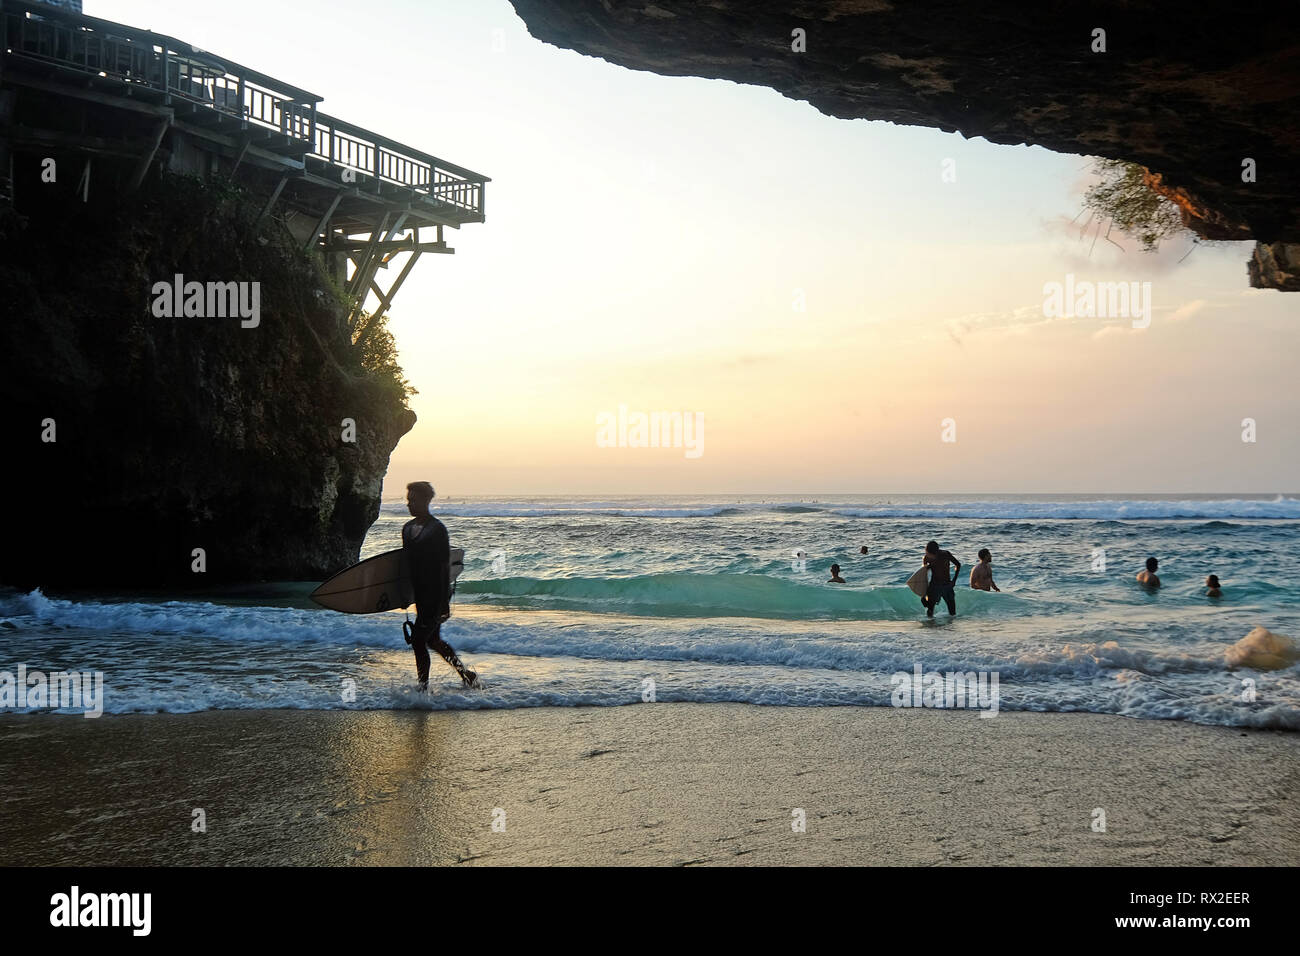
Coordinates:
(937, 560)
(1148, 577)
(835, 575)
(981, 576)
(428, 551)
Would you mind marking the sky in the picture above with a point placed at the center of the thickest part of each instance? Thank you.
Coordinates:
(837, 316)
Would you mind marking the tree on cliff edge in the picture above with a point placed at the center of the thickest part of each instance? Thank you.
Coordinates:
(1123, 196)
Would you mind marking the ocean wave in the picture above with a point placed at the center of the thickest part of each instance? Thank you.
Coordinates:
(608, 509)
(683, 594)
(1277, 508)
(1210, 510)
(184, 657)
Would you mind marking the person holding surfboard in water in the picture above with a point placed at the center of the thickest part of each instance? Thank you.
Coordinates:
(428, 551)
(937, 560)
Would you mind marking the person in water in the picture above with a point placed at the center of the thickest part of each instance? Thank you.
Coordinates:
(428, 553)
(1148, 577)
(981, 576)
(863, 550)
(1212, 586)
(937, 560)
(835, 575)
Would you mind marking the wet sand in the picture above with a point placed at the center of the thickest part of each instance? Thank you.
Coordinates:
(658, 784)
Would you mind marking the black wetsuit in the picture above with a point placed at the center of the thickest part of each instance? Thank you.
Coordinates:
(428, 554)
(940, 585)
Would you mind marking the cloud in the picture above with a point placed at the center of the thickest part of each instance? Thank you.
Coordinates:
(1015, 320)
(1187, 310)
(1116, 330)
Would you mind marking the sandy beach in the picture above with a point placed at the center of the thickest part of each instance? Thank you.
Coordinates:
(654, 784)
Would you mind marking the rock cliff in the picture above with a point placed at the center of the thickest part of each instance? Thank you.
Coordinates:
(1188, 90)
(173, 434)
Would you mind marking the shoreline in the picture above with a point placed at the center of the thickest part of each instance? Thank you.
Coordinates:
(649, 784)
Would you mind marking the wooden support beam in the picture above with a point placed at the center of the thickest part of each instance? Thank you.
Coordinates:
(324, 221)
(103, 99)
(390, 248)
(230, 142)
(146, 159)
(386, 299)
(266, 210)
(370, 263)
(239, 157)
(369, 250)
(83, 186)
(73, 142)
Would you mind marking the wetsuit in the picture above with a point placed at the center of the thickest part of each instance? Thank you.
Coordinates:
(940, 584)
(428, 554)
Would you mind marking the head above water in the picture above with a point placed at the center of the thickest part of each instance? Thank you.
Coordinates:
(1152, 564)
(932, 547)
(835, 569)
(863, 550)
(984, 555)
(1212, 581)
(419, 494)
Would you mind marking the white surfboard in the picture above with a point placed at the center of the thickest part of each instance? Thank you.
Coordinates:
(381, 583)
(919, 582)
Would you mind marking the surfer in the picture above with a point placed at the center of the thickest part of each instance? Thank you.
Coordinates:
(981, 576)
(937, 560)
(428, 551)
(1212, 586)
(1148, 577)
(835, 575)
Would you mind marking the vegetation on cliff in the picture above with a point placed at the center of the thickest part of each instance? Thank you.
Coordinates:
(1123, 196)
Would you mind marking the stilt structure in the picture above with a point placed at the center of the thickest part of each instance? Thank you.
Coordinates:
(116, 103)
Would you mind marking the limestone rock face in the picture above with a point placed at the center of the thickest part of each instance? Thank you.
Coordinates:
(1276, 265)
(179, 433)
(1189, 90)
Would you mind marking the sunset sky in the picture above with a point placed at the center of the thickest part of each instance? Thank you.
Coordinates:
(647, 241)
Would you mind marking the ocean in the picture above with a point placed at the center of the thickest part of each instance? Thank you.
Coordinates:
(634, 600)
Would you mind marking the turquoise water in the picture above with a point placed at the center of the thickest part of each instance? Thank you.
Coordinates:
(610, 602)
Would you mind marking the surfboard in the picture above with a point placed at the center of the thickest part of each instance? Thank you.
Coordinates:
(381, 583)
(919, 582)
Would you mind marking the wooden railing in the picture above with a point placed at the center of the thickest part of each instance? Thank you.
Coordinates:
(173, 69)
(351, 147)
(178, 71)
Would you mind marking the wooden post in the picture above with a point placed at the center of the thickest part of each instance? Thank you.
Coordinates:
(166, 76)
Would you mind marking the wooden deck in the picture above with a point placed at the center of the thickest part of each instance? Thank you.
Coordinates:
(130, 101)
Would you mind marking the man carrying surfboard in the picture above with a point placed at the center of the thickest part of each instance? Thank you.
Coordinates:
(937, 560)
(428, 551)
